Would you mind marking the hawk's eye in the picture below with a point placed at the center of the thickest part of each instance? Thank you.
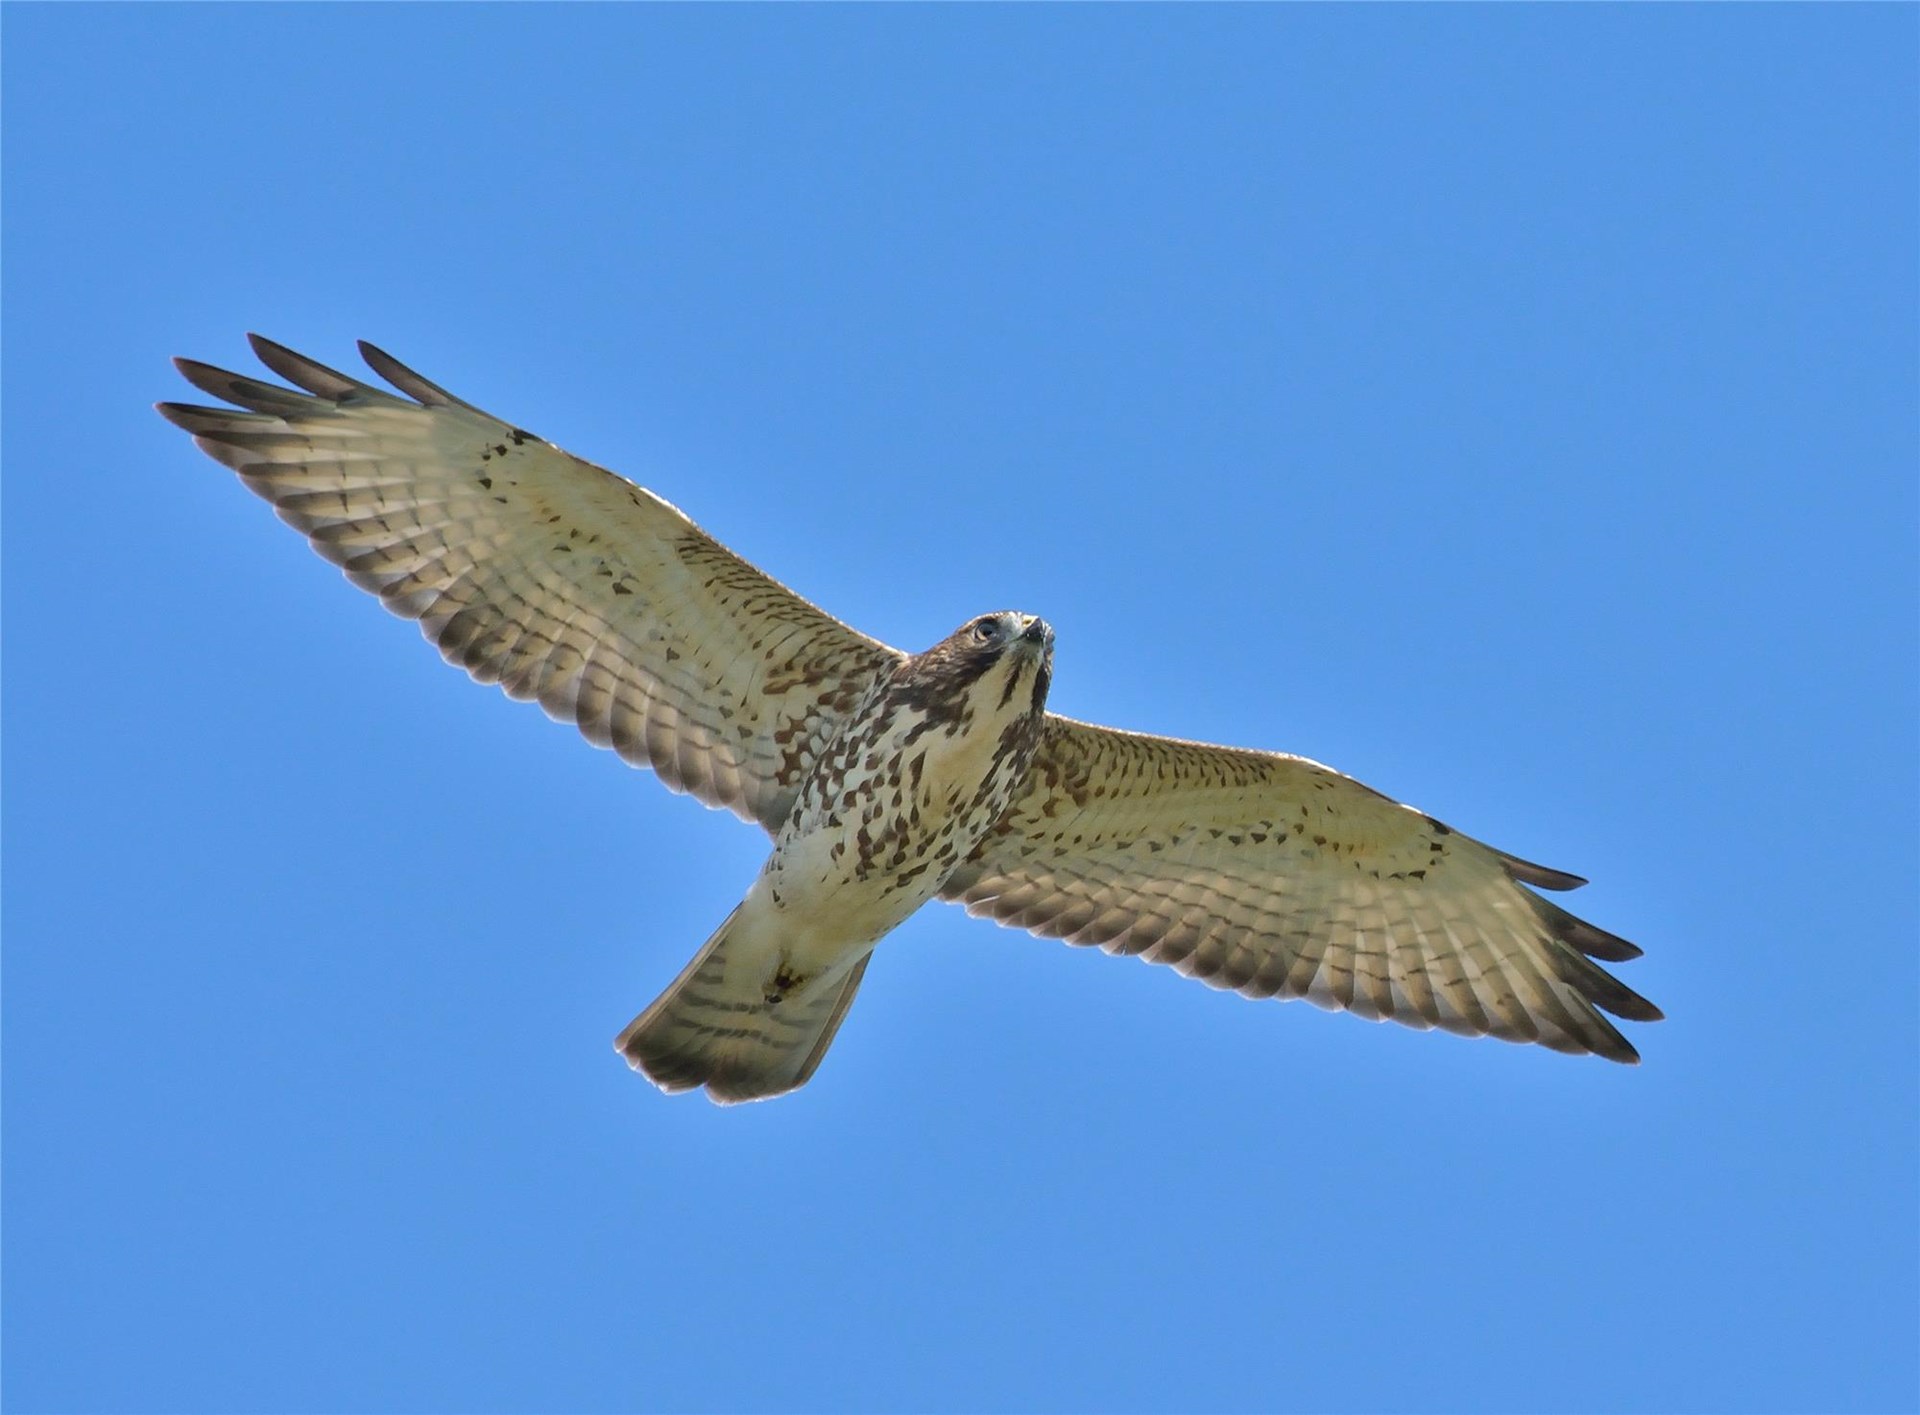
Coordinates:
(983, 629)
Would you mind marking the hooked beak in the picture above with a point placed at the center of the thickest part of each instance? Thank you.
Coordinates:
(1036, 630)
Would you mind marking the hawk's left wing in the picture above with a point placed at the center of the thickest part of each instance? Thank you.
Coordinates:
(1275, 876)
(552, 577)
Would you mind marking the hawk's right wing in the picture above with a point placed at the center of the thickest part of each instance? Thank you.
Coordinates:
(548, 575)
(1278, 877)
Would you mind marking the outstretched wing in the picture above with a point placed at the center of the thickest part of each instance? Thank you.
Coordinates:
(552, 577)
(1275, 876)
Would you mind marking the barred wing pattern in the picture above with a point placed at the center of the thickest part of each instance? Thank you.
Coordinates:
(1275, 876)
(552, 577)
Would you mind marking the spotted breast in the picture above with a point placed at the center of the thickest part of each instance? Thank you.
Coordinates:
(928, 763)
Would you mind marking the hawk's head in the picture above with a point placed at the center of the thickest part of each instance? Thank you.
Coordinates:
(999, 663)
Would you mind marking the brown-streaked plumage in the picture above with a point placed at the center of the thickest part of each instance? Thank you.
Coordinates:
(887, 779)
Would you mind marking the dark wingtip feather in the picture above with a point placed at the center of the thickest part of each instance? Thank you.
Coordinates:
(1598, 943)
(1594, 1036)
(1623, 1001)
(1539, 876)
(248, 393)
(307, 373)
(407, 381)
(1577, 932)
(227, 424)
(1605, 991)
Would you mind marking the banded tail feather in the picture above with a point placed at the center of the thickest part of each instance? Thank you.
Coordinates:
(709, 1029)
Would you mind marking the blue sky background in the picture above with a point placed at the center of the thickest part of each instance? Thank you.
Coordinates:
(1514, 407)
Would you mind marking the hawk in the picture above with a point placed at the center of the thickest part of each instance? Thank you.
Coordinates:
(887, 779)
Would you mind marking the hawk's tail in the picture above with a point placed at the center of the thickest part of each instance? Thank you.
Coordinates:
(719, 1031)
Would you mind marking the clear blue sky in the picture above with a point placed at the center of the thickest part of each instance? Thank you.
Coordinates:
(1514, 407)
